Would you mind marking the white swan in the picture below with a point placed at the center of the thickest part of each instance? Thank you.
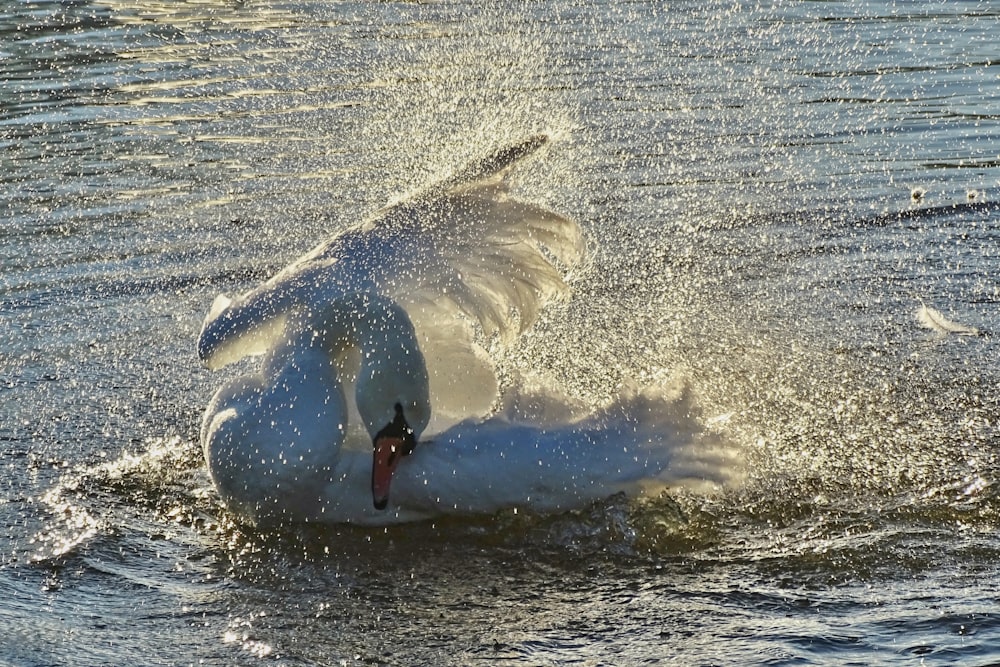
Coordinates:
(370, 341)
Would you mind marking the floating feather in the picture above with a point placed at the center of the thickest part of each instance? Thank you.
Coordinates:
(935, 321)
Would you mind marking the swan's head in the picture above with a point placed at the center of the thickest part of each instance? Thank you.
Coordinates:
(391, 444)
(391, 387)
(393, 400)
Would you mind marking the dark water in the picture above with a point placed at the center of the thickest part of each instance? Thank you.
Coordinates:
(743, 172)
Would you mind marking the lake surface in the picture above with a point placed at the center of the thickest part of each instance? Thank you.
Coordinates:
(770, 192)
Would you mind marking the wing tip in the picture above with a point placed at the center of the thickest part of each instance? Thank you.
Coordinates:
(498, 164)
(221, 303)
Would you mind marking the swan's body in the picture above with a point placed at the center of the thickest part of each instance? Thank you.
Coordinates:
(272, 440)
(642, 442)
(376, 331)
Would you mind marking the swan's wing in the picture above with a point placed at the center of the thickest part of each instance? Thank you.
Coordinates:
(482, 265)
(355, 262)
(464, 244)
(492, 168)
(468, 262)
(495, 259)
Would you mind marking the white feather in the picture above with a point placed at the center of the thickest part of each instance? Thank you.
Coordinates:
(931, 319)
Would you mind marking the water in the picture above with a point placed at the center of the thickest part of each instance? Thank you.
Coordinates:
(743, 172)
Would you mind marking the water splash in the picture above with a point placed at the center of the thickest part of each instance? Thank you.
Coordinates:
(165, 481)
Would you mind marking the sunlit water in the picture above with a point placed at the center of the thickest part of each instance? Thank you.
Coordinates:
(744, 176)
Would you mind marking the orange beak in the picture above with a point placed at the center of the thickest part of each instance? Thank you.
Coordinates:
(391, 444)
(388, 452)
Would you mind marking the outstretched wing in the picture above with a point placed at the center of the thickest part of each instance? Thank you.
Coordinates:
(465, 259)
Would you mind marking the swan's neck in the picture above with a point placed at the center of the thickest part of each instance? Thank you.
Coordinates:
(375, 345)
